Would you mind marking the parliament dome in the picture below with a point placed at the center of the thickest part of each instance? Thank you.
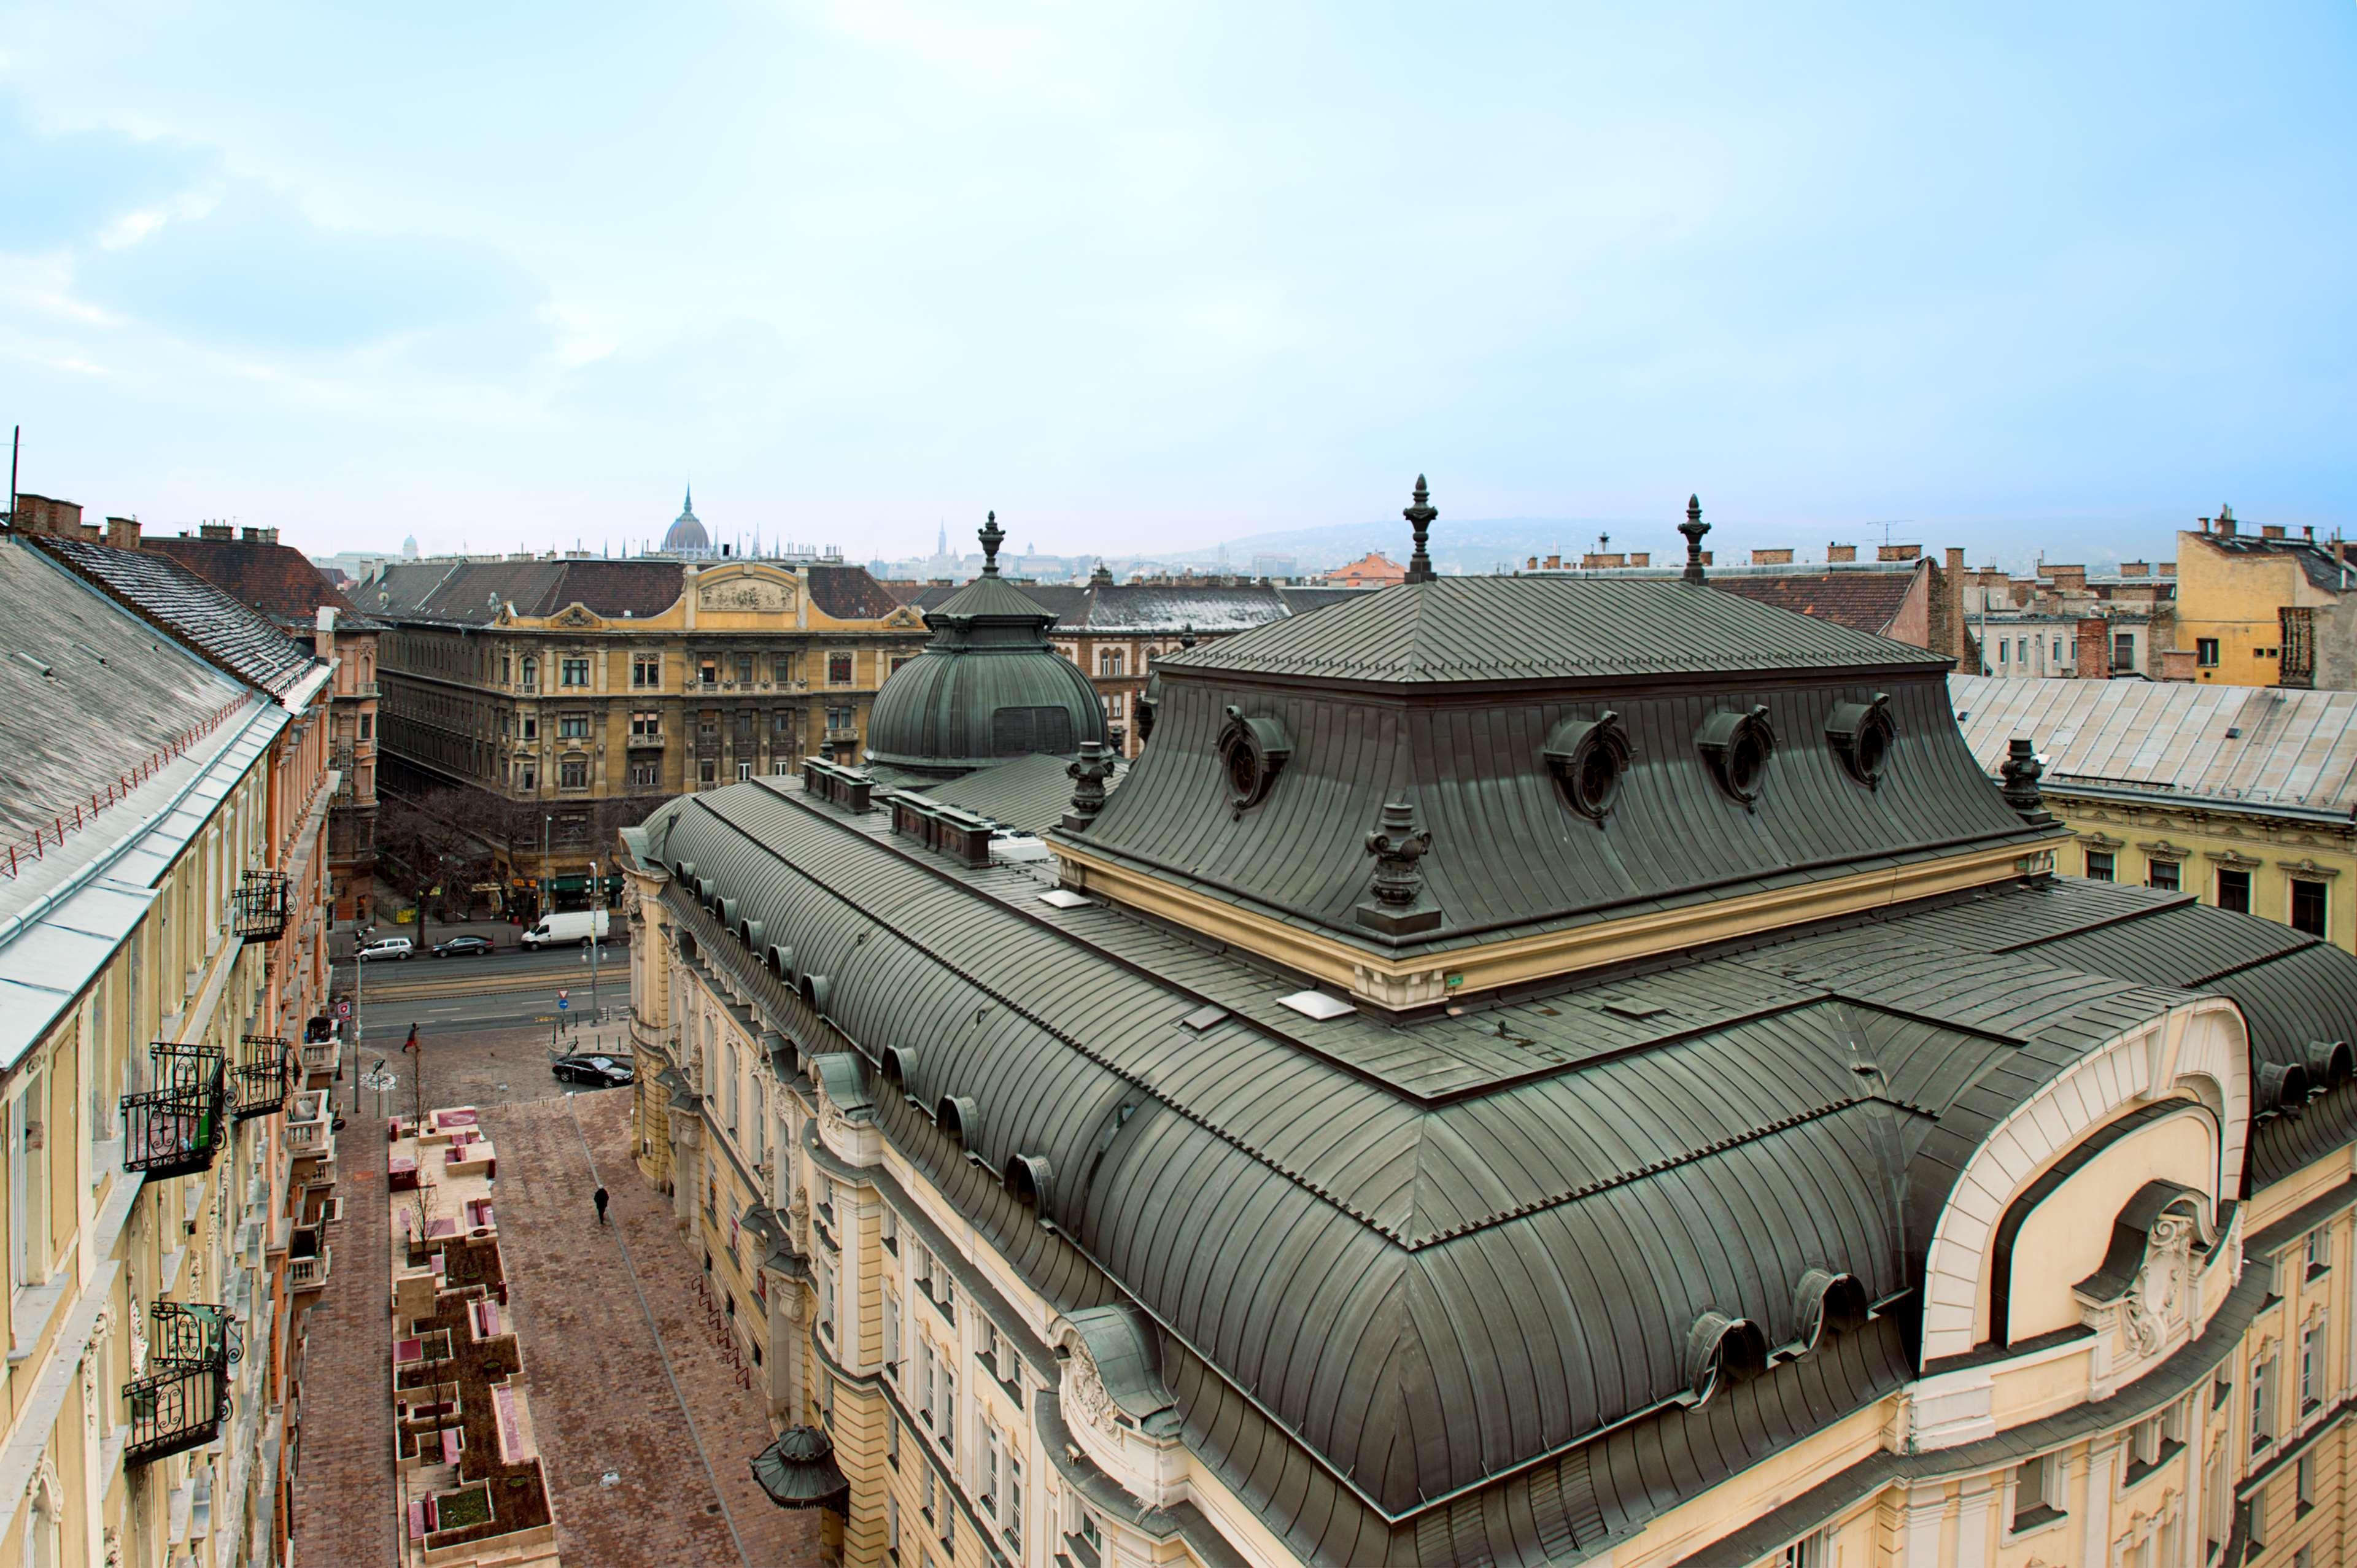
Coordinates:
(987, 687)
(686, 535)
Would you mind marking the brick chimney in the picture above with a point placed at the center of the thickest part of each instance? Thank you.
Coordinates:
(123, 533)
(1837, 552)
(45, 514)
(2067, 579)
(1897, 552)
(261, 536)
(215, 530)
(1554, 563)
(1771, 558)
(2094, 649)
(1641, 558)
(2136, 568)
(2167, 568)
(2271, 531)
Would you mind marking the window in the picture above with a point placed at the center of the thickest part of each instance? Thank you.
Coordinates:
(838, 669)
(2123, 651)
(838, 718)
(531, 674)
(781, 667)
(2035, 1486)
(1809, 1551)
(2311, 1365)
(901, 659)
(573, 726)
(28, 1198)
(892, 1513)
(575, 672)
(572, 774)
(2058, 651)
(990, 1458)
(2307, 906)
(1011, 1517)
(2002, 648)
(646, 671)
(744, 670)
(1109, 661)
(527, 776)
(925, 1370)
(891, 1438)
(1116, 705)
(506, 672)
(744, 771)
(927, 1506)
(888, 1232)
(2234, 889)
(531, 723)
(949, 1410)
(2263, 1407)
(2099, 866)
(2320, 1250)
(646, 726)
(2021, 650)
(2162, 874)
(2306, 1475)
(646, 775)
(2258, 1519)
(892, 1333)
(823, 1285)
(707, 670)
(2205, 653)
(367, 726)
(707, 771)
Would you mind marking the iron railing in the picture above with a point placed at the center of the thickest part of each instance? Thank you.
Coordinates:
(177, 1127)
(182, 1401)
(264, 1075)
(261, 906)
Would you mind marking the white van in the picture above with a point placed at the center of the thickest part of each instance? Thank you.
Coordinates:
(571, 926)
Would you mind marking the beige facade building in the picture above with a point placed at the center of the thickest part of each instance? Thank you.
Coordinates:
(2259, 608)
(553, 701)
(163, 917)
(1680, 1117)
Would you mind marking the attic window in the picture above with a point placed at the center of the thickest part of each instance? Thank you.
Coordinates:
(1737, 746)
(1252, 750)
(1861, 735)
(1588, 759)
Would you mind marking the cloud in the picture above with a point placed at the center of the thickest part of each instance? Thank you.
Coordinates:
(63, 189)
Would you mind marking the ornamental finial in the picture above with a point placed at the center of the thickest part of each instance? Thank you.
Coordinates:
(1419, 515)
(1400, 906)
(990, 534)
(1693, 528)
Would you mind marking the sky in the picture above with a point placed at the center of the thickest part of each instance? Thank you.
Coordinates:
(1142, 277)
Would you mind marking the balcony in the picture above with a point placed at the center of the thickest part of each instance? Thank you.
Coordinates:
(182, 1401)
(308, 1260)
(841, 737)
(263, 1077)
(646, 741)
(310, 1125)
(177, 1128)
(319, 1056)
(260, 906)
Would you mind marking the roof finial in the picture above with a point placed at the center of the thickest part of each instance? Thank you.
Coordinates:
(1419, 517)
(1693, 528)
(991, 533)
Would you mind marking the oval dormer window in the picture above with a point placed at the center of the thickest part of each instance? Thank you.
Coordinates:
(1589, 757)
(1737, 746)
(1252, 752)
(1862, 734)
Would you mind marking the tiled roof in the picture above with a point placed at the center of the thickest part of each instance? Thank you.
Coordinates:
(1551, 628)
(469, 593)
(73, 653)
(161, 591)
(1862, 601)
(276, 579)
(848, 592)
(2238, 746)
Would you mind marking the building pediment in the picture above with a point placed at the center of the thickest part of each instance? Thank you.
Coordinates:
(748, 590)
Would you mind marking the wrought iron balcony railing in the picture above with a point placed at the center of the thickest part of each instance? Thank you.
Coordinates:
(264, 1075)
(183, 1399)
(261, 906)
(177, 1127)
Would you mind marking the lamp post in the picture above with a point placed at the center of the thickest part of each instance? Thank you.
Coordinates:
(359, 1007)
(547, 887)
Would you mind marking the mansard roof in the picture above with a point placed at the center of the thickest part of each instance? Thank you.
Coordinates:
(234, 637)
(1392, 1261)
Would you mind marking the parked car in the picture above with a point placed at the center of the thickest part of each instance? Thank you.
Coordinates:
(389, 946)
(597, 1072)
(568, 925)
(465, 947)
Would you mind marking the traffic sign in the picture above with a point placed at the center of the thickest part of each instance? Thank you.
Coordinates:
(563, 1003)
(344, 1008)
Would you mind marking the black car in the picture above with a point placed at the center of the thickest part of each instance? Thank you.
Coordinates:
(597, 1071)
(465, 947)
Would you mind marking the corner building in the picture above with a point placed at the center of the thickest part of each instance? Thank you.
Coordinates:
(1523, 1072)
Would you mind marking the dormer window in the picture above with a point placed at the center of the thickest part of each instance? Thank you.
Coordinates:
(1737, 746)
(1252, 750)
(1588, 759)
(1862, 734)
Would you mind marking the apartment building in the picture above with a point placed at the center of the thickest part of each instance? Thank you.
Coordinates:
(163, 912)
(2258, 608)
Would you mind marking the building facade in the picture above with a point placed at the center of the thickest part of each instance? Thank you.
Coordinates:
(2245, 797)
(554, 700)
(163, 917)
(1524, 1070)
(2266, 609)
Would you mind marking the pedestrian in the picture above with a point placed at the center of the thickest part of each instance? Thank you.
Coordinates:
(598, 1198)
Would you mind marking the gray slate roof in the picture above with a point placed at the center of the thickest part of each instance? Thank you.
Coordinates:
(1163, 610)
(1549, 629)
(2248, 746)
(1495, 1229)
(233, 636)
(1027, 795)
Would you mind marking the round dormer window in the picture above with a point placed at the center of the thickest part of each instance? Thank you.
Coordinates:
(1252, 751)
(1737, 746)
(1862, 734)
(1589, 757)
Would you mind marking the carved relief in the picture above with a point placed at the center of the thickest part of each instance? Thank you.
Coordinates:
(755, 595)
(1087, 1404)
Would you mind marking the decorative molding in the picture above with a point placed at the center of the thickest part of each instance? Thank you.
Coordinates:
(2231, 859)
(2101, 842)
(2305, 867)
(2161, 849)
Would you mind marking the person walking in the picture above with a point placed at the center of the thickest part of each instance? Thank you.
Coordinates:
(598, 1198)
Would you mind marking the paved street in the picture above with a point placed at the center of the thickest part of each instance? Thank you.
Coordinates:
(601, 1397)
(506, 991)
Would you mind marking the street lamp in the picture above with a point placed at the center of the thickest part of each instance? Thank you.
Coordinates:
(547, 886)
(596, 903)
(359, 1006)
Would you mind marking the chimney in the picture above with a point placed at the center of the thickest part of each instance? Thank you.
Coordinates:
(1897, 552)
(1534, 563)
(1641, 558)
(2067, 579)
(1955, 557)
(2307, 532)
(43, 514)
(1838, 554)
(2095, 650)
(261, 535)
(123, 533)
(2226, 523)
(324, 640)
(2271, 531)
(2136, 568)
(1554, 563)
(1771, 558)
(213, 530)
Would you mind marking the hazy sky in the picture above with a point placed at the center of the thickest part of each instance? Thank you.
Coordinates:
(1142, 276)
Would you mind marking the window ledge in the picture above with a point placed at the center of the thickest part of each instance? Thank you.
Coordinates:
(2138, 1469)
(2038, 1517)
(30, 1311)
(2318, 1271)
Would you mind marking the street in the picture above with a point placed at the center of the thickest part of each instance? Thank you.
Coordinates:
(503, 991)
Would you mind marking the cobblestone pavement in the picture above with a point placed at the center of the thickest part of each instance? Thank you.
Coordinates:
(344, 1498)
(480, 1067)
(600, 1399)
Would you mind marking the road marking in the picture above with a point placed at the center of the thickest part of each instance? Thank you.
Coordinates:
(660, 1349)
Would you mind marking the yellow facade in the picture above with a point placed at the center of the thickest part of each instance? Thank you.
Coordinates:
(2186, 847)
(2232, 592)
